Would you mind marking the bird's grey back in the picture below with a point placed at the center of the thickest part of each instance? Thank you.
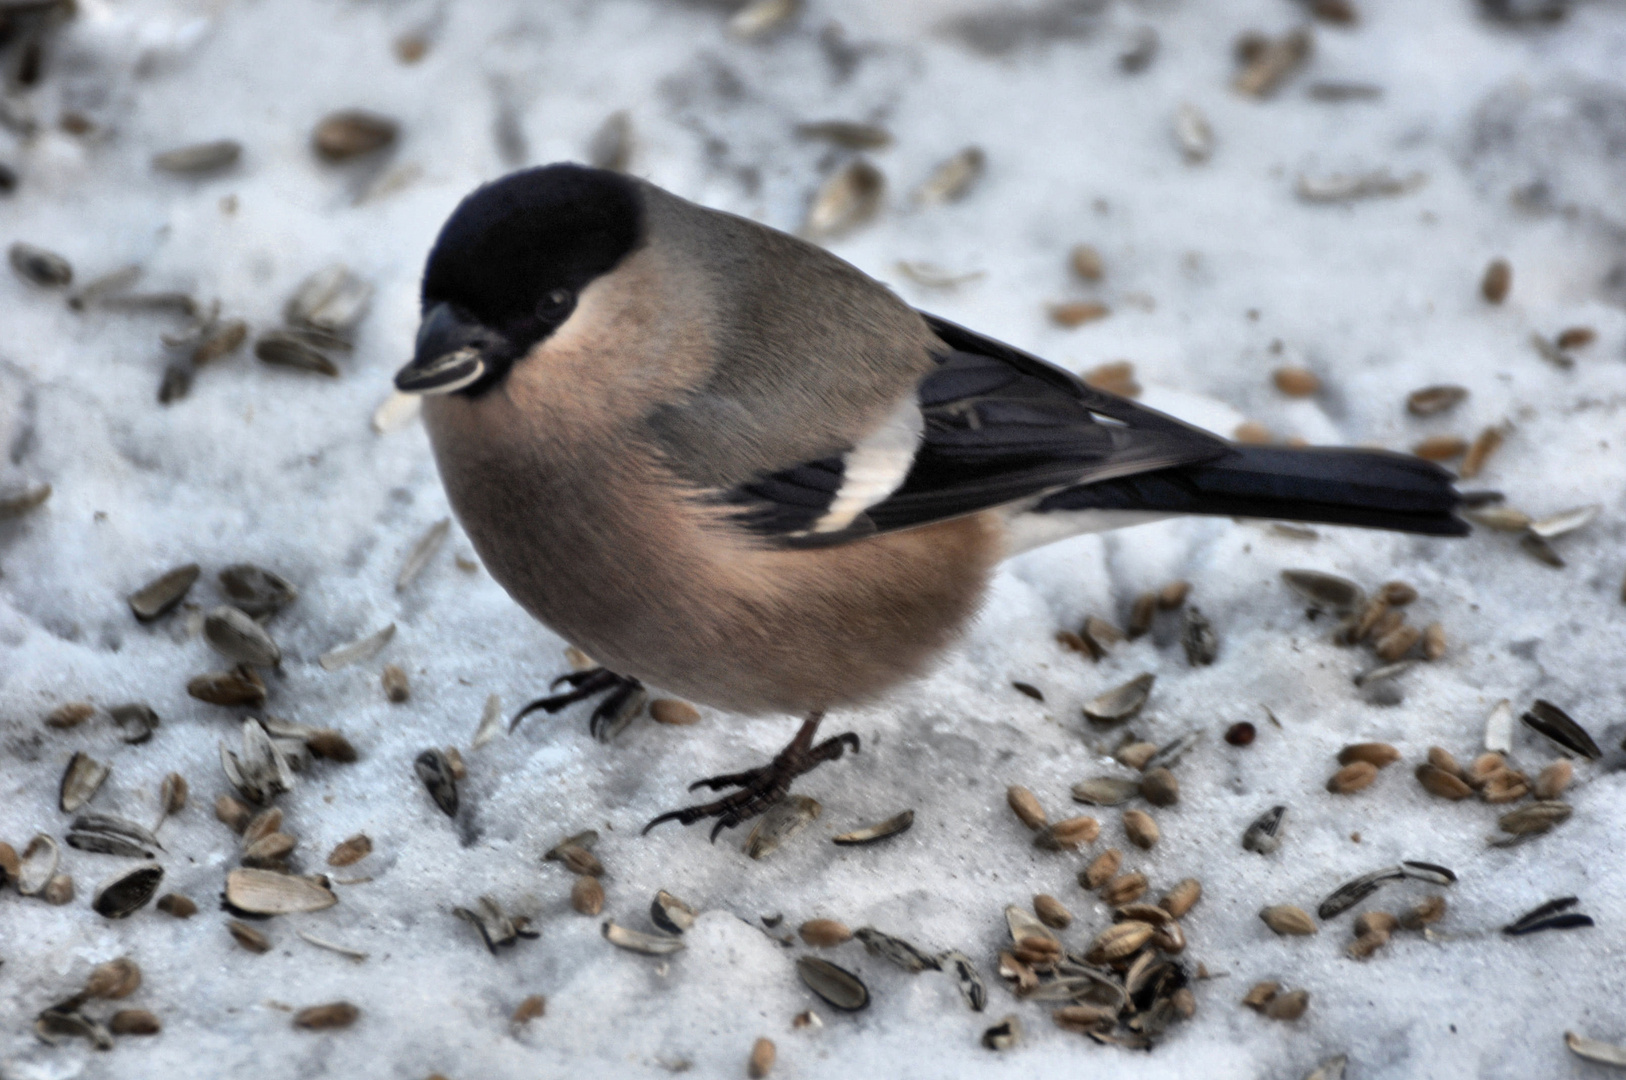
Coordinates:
(810, 353)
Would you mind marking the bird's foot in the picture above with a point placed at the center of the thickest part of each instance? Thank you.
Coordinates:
(762, 787)
(624, 696)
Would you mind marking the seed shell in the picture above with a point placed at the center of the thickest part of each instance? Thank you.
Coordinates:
(881, 830)
(248, 937)
(199, 157)
(836, 985)
(1121, 702)
(134, 1022)
(953, 179)
(1595, 1050)
(1328, 592)
(758, 18)
(425, 549)
(1182, 898)
(1483, 446)
(1497, 281)
(1288, 1006)
(672, 711)
(782, 821)
(1124, 889)
(255, 591)
(357, 651)
(904, 954)
(126, 893)
(1193, 133)
(80, 781)
(268, 892)
(671, 914)
(240, 639)
(1025, 926)
(1118, 941)
(285, 349)
(436, 774)
(1354, 891)
(176, 905)
(40, 267)
(1536, 818)
(1104, 791)
(161, 595)
(1262, 835)
(587, 895)
(847, 135)
(70, 715)
(966, 978)
(1198, 639)
(1553, 779)
(38, 865)
(1549, 720)
(17, 499)
(241, 686)
(845, 201)
(335, 1014)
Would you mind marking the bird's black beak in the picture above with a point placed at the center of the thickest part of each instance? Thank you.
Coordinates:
(452, 353)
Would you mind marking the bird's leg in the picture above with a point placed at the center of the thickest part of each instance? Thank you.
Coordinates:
(623, 697)
(760, 788)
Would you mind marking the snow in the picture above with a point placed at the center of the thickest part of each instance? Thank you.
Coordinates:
(281, 468)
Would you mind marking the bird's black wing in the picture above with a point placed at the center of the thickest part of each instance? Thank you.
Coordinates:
(1000, 426)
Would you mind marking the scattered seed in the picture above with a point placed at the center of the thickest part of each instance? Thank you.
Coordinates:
(1429, 910)
(1548, 719)
(1104, 791)
(1124, 889)
(436, 774)
(966, 978)
(847, 135)
(427, 546)
(70, 715)
(335, 1014)
(37, 866)
(199, 157)
(1118, 941)
(1068, 834)
(1052, 912)
(330, 745)
(1102, 869)
(881, 830)
(1433, 400)
(1327, 592)
(782, 821)
(1135, 755)
(953, 179)
(255, 591)
(845, 201)
(1354, 891)
(671, 914)
(127, 892)
(1028, 690)
(1441, 448)
(1117, 377)
(761, 17)
(269, 892)
(1553, 915)
(1553, 779)
(39, 267)
(824, 933)
(1198, 639)
(1026, 806)
(65, 1020)
(263, 771)
(575, 854)
(242, 686)
(1193, 133)
(1288, 1006)
(1075, 313)
(587, 895)
(1483, 446)
(936, 277)
(532, 1008)
(398, 690)
(1375, 922)
(1261, 835)
(262, 825)
(176, 905)
(1497, 281)
(1536, 818)
(671, 711)
(1086, 262)
(1592, 1050)
(18, 498)
(1296, 382)
(58, 891)
(1260, 994)
(904, 954)
(352, 133)
(80, 781)
(1159, 787)
(1285, 920)
(134, 1022)
(837, 986)
(1356, 776)
(1439, 782)
(248, 937)
(496, 929)
(760, 1063)
(1556, 525)
(239, 638)
(1267, 62)
(232, 813)
(1121, 702)
(357, 652)
(161, 595)
(284, 349)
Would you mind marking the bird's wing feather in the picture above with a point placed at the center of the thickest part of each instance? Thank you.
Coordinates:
(996, 426)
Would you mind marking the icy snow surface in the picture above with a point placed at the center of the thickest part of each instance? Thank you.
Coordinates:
(1216, 274)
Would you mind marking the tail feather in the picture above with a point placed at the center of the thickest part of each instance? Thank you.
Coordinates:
(1373, 489)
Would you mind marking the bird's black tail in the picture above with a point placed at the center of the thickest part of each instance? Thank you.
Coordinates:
(1374, 489)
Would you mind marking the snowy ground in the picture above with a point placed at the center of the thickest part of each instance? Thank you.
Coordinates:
(1208, 267)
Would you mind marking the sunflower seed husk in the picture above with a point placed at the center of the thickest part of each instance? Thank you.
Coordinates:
(760, 17)
(70, 715)
(233, 814)
(270, 892)
(254, 590)
(1500, 518)
(58, 891)
(396, 411)
(1193, 133)
(673, 915)
(836, 985)
(1595, 1050)
(966, 978)
(248, 937)
(1261, 994)
(1549, 720)
(1171, 753)
(1262, 835)
(262, 825)
(1025, 805)
(1541, 550)
(64, 1020)
(1572, 920)
(1267, 62)
(284, 349)
(1104, 791)
(126, 893)
(357, 651)
(1538, 817)
(160, 596)
(136, 721)
(869, 834)
(240, 639)
(105, 834)
(1288, 1006)
(494, 927)
(845, 201)
(1354, 891)
(335, 1014)
(80, 781)
(1121, 702)
(782, 821)
(953, 179)
(351, 133)
(263, 771)
(611, 145)
(1198, 639)
(1550, 528)
(269, 852)
(905, 955)
(1024, 925)
(1287, 920)
(199, 157)
(40, 267)
(1499, 728)
(37, 865)
(634, 941)
(436, 774)
(427, 546)
(847, 135)
(1433, 873)
(242, 686)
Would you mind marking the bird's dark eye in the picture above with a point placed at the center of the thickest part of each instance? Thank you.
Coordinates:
(554, 303)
